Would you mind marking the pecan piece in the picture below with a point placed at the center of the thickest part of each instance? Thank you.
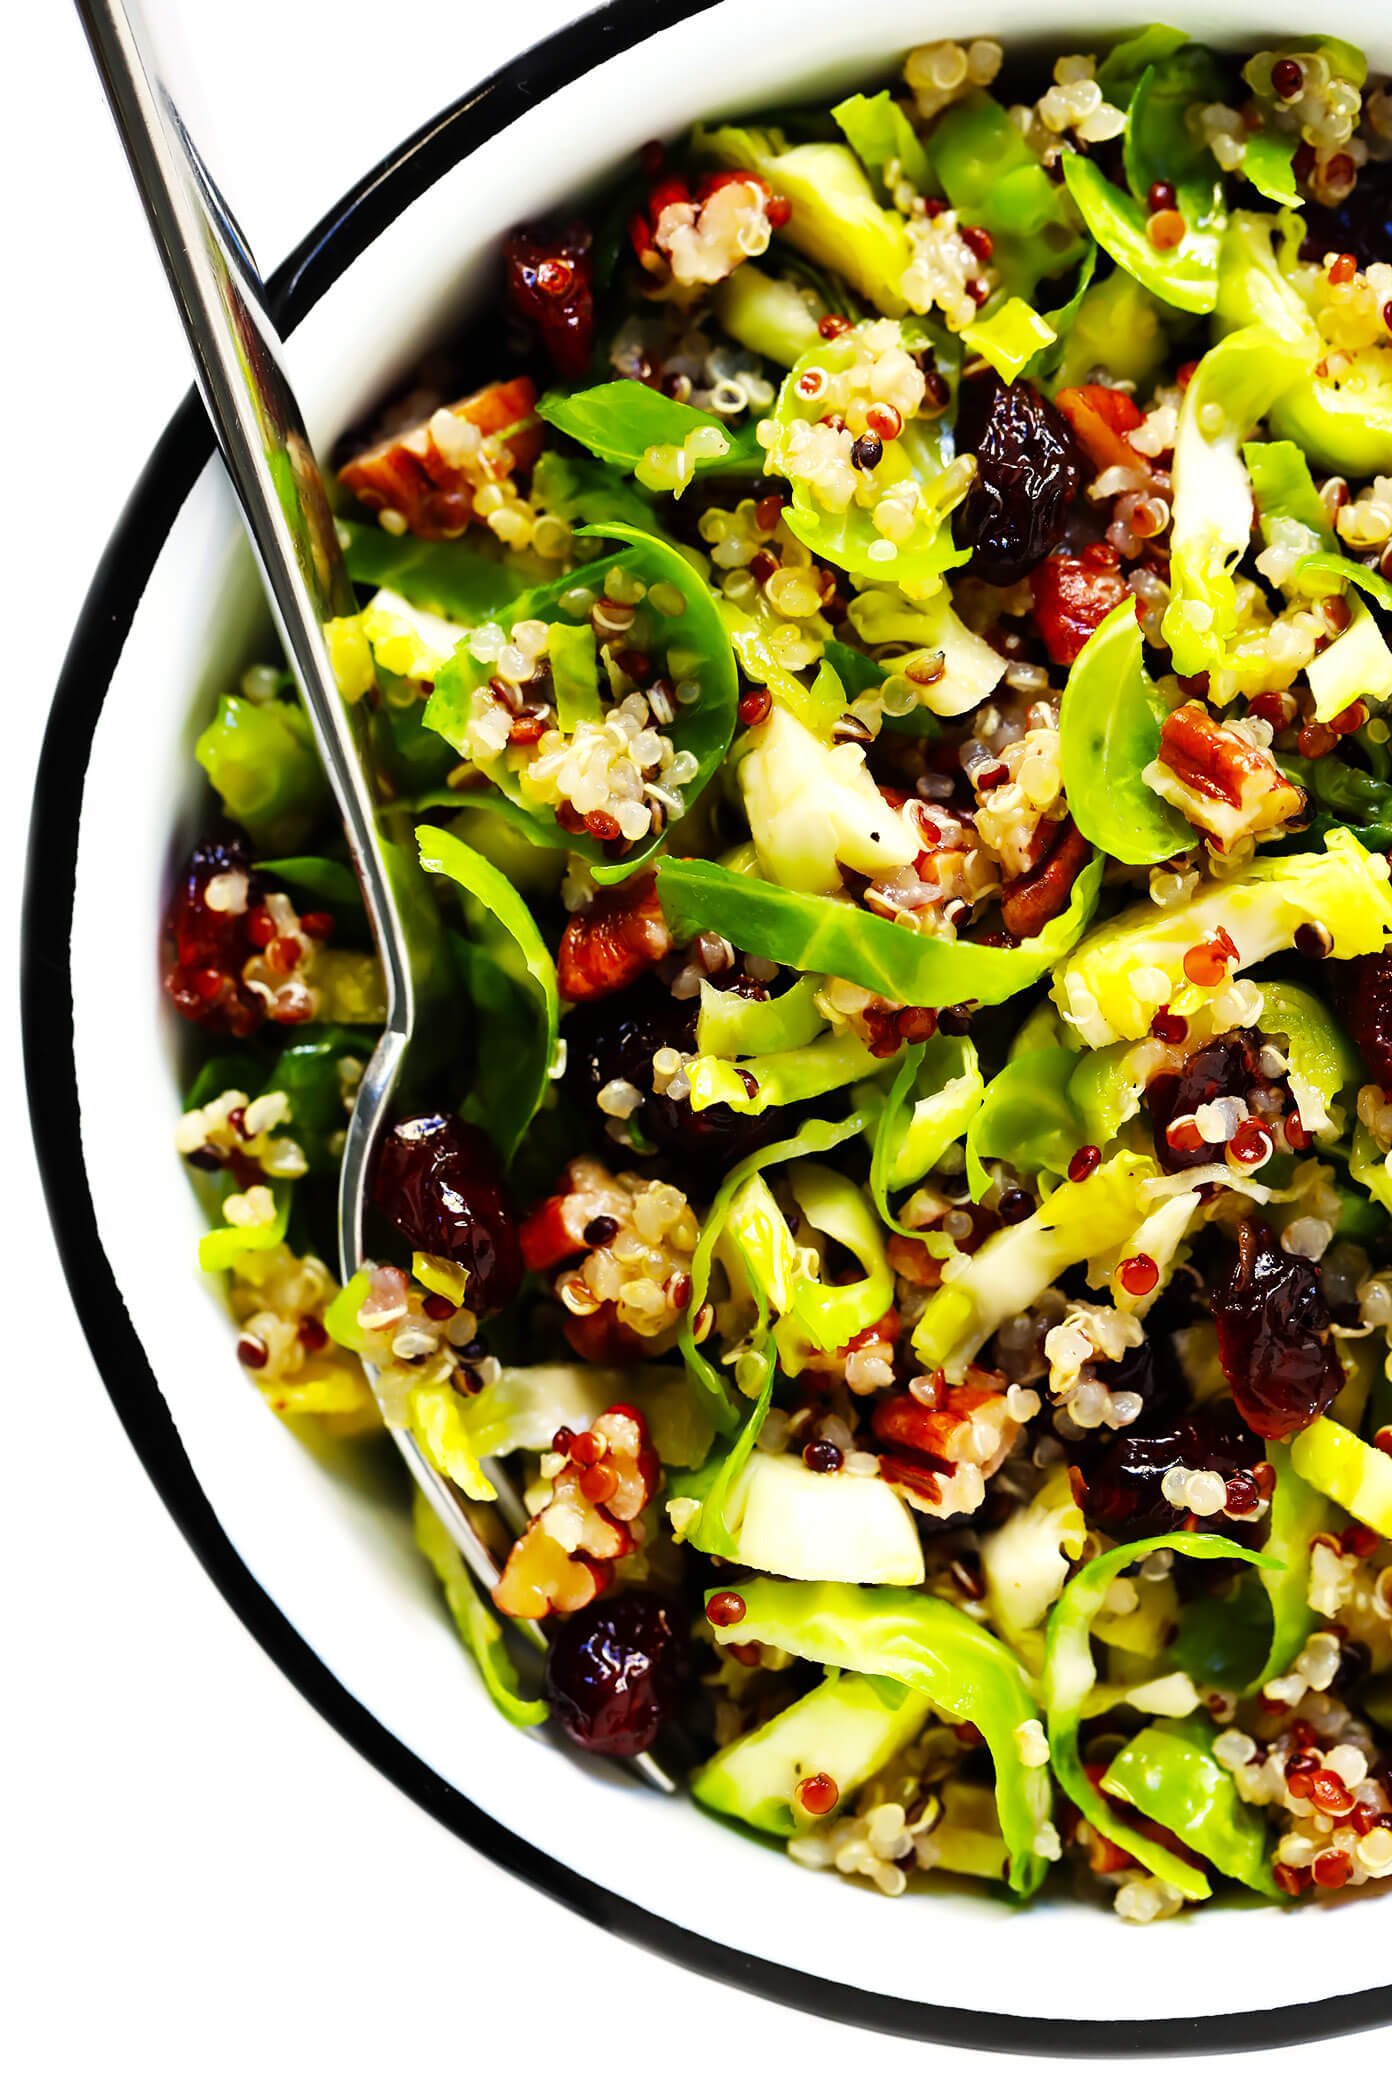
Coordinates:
(911, 1259)
(1103, 419)
(611, 942)
(428, 476)
(1223, 785)
(941, 1449)
(1030, 902)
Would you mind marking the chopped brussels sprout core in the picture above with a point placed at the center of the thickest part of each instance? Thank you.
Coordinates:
(1356, 666)
(772, 315)
(970, 669)
(818, 1526)
(1026, 1562)
(813, 807)
(847, 1729)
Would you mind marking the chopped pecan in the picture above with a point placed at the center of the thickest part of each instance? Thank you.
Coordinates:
(1030, 902)
(941, 1449)
(1102, 418)
(429, 475)
(1223, 785)
(606, 1476)
(611, 942)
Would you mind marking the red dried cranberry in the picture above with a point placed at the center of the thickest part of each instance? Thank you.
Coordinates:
(617, 1673)
(1367, 1001)
(203, 977)
(1071, 598)
(550, 281)
(1119, 1477)
(438, 1182)
(615, 1038)
(1028, 472)
(1274, 1336)
(1227, 1065)
(1362, 224)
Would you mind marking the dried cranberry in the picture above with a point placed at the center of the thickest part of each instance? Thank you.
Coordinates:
(615, 1038)
(1119, 1476)
(617, 1673)
(1362, 224)
(1028, 472)
(439, 1183)
(209, 947)
(1071, 598)
(1366, 994)
(1274, 1336)
(550, 281)
(1355, 1663)
(1227, 1065)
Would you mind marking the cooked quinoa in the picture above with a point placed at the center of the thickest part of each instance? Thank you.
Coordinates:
(891, 675)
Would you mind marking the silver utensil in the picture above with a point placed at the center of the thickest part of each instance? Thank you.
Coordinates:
(239, 362)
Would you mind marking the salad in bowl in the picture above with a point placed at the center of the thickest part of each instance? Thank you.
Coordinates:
(879, 644)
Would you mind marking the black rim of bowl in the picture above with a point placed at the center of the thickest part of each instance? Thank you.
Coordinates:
(47, 1011)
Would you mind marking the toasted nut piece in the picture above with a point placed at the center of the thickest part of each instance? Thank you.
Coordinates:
(611, 942)
(428, 476)
(940, 1451)
(1222, 784)
(1030, 902)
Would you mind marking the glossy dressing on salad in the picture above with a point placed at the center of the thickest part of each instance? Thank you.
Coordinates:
(881, 648)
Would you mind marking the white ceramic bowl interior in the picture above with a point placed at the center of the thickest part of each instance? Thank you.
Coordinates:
(337, 1561)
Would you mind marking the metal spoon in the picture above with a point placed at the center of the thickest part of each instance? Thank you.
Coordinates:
(239, 362)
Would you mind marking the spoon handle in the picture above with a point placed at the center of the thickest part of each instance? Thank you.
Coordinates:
(256, 418)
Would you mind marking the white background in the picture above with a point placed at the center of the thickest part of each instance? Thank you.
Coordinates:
(203, 1883)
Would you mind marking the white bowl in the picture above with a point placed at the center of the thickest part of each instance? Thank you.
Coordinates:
(323, 1572)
